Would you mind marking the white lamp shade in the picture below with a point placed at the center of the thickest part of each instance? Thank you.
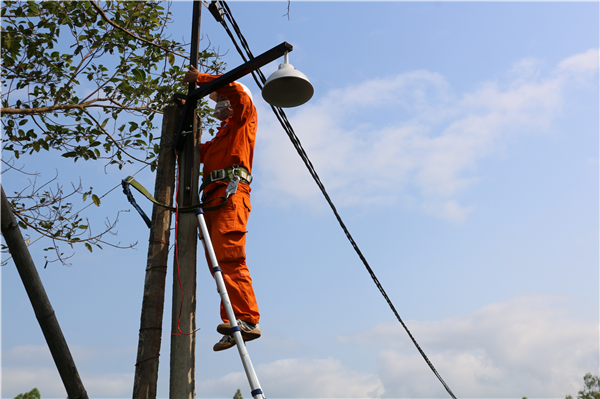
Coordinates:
(287, 87)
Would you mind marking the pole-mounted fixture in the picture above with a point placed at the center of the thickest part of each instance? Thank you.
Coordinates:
(231, 76)
(287, 87)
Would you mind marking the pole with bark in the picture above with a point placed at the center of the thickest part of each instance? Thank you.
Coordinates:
(146, 367)
(183, 322)
(40, 302)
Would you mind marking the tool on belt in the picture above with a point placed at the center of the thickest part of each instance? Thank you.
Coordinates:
(233, 176)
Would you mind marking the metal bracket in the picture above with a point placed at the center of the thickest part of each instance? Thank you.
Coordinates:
(216, 11)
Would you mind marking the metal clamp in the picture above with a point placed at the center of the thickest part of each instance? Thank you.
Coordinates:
(233, 183)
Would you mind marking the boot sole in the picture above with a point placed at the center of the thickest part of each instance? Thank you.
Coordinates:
(218, 348)
(225, 329)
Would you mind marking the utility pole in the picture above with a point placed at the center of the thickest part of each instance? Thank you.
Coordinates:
(183, 323)
(146, 367)
(40, 302)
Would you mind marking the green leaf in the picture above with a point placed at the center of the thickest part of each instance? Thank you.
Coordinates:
(33, 8)
(88, 246)
(139, 74)
(96, 199)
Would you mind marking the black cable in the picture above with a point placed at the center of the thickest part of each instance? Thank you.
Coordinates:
(132, 201)
(281, 116)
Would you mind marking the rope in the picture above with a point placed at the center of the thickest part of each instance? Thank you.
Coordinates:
(281, 116)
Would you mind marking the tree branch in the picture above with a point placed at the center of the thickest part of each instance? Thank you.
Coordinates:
(288, 10)
(66, 107)
(103, 15)
(113, 139)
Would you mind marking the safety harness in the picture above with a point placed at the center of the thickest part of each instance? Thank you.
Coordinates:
(233, 176)
(227, 175)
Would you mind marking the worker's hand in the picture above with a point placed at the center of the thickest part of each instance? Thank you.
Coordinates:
(191, 75)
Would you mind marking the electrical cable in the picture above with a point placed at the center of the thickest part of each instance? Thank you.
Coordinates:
(281, 116)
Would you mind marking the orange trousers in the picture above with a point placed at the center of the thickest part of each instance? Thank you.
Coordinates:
(227, 229)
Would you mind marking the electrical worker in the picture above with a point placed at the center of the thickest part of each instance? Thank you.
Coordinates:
(230, 151)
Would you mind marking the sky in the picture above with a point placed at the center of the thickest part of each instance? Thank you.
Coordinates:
(459, 143)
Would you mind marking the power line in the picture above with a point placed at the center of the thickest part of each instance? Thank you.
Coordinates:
(281, 116)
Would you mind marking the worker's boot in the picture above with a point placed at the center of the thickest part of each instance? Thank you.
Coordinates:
(225, 343)
(249, 331)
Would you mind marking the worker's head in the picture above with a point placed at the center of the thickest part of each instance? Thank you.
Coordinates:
(223, 108)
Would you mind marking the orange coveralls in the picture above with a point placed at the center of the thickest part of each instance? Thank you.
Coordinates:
(232, 145)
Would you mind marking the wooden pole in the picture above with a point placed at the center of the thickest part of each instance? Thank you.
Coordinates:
(40, 302)
(183, 337)
(146, 367)
(183, 323)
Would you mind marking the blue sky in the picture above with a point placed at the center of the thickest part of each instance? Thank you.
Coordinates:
(459, 142)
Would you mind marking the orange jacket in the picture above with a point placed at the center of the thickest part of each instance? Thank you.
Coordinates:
(234, 142)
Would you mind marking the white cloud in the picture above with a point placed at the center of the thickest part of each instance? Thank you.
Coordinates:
(109, 385)
(528, 346)
(385, 139)
(451, 210)
(17, 380)
(28, 366)
(584, 63)
(302, 378)
(526, 69)
(27, 353)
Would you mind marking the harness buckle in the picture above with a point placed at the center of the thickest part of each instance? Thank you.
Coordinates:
(233, 182)
(217, 175)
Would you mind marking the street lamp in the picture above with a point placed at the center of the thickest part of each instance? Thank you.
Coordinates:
(287, 87)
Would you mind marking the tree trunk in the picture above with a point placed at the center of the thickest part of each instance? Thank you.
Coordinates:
(40, 302)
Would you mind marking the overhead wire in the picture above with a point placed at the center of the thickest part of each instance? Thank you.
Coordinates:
(285, 123)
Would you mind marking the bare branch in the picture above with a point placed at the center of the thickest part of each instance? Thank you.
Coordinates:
(288, 12)
(13, 167)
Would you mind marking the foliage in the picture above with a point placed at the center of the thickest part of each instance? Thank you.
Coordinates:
(86, 80)
(33, 394)
(591, 388)
(238, 395)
